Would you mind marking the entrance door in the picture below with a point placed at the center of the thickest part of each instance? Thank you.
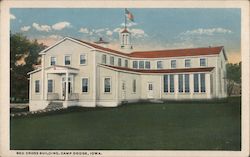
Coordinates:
(64, 89)
(150, 90)
(123, 90)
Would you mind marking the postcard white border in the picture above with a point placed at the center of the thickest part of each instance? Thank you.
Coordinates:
(5, 57)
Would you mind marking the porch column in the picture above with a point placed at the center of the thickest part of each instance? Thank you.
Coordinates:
(67, 86)
(208, 85)
(191, 81)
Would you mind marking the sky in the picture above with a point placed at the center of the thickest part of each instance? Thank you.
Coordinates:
(152, 29)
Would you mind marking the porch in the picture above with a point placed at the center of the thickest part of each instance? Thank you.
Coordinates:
(59, 83)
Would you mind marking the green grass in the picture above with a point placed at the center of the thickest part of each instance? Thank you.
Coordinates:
(208, 125)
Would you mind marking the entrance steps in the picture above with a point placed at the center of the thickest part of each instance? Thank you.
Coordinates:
(54, 105)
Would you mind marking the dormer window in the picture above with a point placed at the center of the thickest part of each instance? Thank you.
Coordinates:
(67, 60)
(187, 63)
(53, 61)
(83, 59)
(173, 64)
(203, 62)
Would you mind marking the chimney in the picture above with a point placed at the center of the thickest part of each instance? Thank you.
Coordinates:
(102, 43)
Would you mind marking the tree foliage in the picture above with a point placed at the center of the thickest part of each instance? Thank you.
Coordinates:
(21, 48)
(233, 76)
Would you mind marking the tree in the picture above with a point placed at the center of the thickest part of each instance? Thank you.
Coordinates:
(233, 76)
(23, 55)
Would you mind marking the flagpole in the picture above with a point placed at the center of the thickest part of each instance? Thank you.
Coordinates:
(125, 19)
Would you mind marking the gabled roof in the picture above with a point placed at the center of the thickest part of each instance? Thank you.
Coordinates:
(177, 52)
(183, 70)
(153, 53)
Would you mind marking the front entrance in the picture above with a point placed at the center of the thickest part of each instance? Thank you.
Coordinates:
(64, 86)
(150, 90)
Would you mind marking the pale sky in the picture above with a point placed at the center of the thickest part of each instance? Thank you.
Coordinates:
(152, 28)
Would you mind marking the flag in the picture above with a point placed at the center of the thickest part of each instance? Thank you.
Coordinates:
(129, 15)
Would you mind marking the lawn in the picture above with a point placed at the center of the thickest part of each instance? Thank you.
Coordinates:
(207, 125)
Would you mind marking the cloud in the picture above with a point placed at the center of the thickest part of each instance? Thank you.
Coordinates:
(25, 28)
(12, 17)
(61, 25)
(130, 24)
(42, 28)
(138, 32)
(109, 33)
(84, 30)
(209, 31)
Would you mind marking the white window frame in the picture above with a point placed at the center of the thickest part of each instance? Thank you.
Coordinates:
(126, 63)
(145, 64)
(110, 85)
(175, 64)
(103, 59)
(113, 63)
(39, 87)
(189, 63)
(51, 60)
(205, 62)
(137, 63)
(86, 58)
(52, 86)
(160, 64)
(82, 85)
(118, 62)
(65, 60)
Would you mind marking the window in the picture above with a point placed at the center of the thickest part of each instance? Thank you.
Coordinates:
(135, 64)
(53, 61)
(187, 63)
(104, 59)
(150, 86)
(203, 62)
(147, 64)
(83, 59)
(126, 63)
(67, 60)
(119, 62)
(85, 85)
(196, 82)
(180, 82)
(159, 65)
(134, 86)
(112, 60)
(141, 64)
(203, 82)
(107, 85)
(37, 86)
(165, 79)
(173, 63)
(50, 86)
(187, 86)
(171, 83)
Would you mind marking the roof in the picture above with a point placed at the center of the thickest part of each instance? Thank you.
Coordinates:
(153, 53)
(184, 70)
(125, 31)
(177, 52)
(61, 66)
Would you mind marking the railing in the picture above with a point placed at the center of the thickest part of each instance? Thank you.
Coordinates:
(73, 96)
(52, 96)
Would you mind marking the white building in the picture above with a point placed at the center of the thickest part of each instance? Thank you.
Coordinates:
(75, 72)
